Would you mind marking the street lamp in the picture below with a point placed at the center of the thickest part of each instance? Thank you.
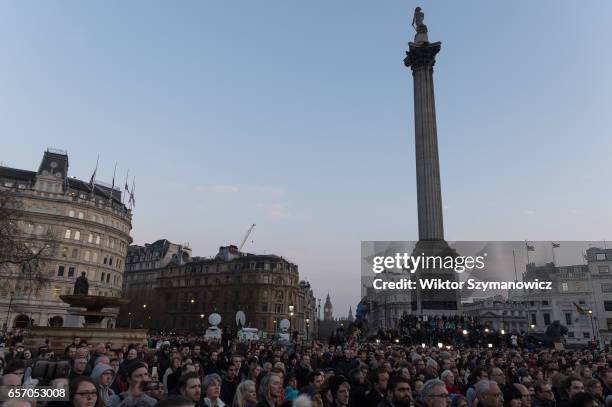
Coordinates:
(592, 326)
(8, 312)
(130, 317)
(307, 328)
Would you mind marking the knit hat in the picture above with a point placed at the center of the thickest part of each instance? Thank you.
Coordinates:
(132, 367)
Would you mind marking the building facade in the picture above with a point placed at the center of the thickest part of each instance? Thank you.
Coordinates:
(187, 290)
(498, 313)
(87, 228)
(580, 298)
(600, 263)
(143, 267)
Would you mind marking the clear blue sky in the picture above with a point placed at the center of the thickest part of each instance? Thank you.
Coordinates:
(297, 116)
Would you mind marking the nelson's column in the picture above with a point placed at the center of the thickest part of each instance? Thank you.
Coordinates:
(421, 59)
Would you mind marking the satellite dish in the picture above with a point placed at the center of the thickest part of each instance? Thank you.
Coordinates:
(285, 324)
(240, 318)
(214, 319)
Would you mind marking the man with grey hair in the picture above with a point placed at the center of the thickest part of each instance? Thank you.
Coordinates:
(489, 394)
(434, 394)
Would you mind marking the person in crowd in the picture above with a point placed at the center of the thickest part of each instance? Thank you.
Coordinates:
(399, 393)
(190, 387)
(340, 389)
(269, 390)
(103, 376)
(379, 379)
(570, 386)
(246, 394)
(434, 394)
(544, 396)
(594, 387)
(212, 390)
(175, 401)
(230, 382)
(83, 392)
(137, 374)
(489, 394)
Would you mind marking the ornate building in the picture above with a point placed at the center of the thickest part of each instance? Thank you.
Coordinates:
(328, 310)
(89, 231)
(180, 292)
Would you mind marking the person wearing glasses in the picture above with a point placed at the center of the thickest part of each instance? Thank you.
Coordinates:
(544, 396)
(434, 394)
(84, 393)
(489, 394)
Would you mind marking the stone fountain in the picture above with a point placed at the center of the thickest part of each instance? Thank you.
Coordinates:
(89, 318)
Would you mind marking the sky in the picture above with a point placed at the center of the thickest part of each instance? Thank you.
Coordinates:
(298, 117)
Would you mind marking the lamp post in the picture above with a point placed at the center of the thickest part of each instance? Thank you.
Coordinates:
(144, 308)
(8, 312)
(592, 326)
(307, 328)
(291, 308)
(130, 317)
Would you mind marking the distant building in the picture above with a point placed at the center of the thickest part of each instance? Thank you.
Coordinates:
(498, 313)
(180, 291)
(91, 232)
(328, 310)
(580, 298)
(600, 264)
(143, 266)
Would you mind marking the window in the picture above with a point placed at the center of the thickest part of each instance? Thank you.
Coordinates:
(108, 278)
(570, 334)
(80, 215)
(102, 278)
(93, 218)
(568, 318)
(264, 307)
(70, 271)
(67, 234)
(533, 319)
(94, 257)
(105, 260)
(87, 255)
(600, 256)
(101, 219)
(609, 322)
(608, 305)
(90, 238)
(606, 288)
(71, 213)
(603, 269)
(581, 302)
(75, 253)
(112, 241)
(278, 308)
(77, 235)
(586, 335)
(564, 287)
(545, 302)
(64, 252)
(546, 319)
(97, 239)
(532, 303)
(110, 261)
(60, 271)
(56, 293)
(40, 229)
(29, 228)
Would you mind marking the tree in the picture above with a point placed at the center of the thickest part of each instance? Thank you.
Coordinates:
(22, 257)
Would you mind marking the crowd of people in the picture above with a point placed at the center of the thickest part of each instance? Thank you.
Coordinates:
(186, 370)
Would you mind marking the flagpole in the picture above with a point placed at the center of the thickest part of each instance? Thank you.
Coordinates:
(125, 188)
(514, 260)
(527, 250)
(93, 177)
(553, 253)
(110, 195)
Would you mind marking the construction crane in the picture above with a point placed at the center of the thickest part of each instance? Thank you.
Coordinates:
(246, 237)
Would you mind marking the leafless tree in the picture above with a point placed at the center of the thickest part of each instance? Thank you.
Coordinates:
(22, 257)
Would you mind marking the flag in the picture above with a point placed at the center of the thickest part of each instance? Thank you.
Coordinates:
(92, 181)
(555, 245)
(132, 199)
(110, 196)
(529, 248)
(580, 310)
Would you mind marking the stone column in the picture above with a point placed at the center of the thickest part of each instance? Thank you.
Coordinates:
(421, 59)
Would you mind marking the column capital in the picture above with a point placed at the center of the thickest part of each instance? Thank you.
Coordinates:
(421, 55)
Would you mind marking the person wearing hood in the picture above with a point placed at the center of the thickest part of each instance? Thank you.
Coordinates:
(104, 375)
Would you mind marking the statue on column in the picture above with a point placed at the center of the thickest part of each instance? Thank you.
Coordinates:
(81, 285)
(419, 26)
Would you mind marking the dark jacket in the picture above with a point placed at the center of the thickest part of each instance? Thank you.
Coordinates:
(228, 391)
